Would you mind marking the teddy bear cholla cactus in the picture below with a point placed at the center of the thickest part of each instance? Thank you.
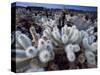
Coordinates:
(26, 43)
(90, 47)
(70, 51)
(24, 50)
(72, 35)
(69, 37)
(23, 55)
(45, 48)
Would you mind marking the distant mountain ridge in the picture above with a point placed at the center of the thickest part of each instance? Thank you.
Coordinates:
(54, 6)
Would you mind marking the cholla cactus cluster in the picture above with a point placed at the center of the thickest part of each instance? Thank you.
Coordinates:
(79, 46)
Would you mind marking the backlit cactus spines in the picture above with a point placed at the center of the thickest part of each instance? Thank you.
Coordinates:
(64, 39)
(56, 34)
(41, 44)
(76, 48)
(24, 41)
(31, 51)
(70, 53)
(44, 56)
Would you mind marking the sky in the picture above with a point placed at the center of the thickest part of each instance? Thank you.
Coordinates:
(85, 8)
